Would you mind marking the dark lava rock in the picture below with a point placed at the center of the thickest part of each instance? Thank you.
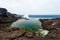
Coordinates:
(3, 12)
(18, 35)
(53, 25)
(6, 17)
(50, 23)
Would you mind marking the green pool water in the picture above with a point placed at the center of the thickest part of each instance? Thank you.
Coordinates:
(31, 25)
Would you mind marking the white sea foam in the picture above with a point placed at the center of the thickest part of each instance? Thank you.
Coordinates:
(26, 16)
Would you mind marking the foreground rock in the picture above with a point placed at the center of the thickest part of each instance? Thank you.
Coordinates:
(16, 34)
(53, 25)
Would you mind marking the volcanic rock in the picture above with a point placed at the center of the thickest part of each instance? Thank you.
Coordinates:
(6, 16)
(18, 35)
(3, 12)
(53, 25)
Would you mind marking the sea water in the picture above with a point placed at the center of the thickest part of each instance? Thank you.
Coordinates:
(37, 17)
(43, 16)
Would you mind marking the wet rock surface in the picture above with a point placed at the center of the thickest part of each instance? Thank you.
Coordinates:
(53, 25)
(16, 34)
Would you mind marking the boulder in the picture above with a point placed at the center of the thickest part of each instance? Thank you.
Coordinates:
(3, 12)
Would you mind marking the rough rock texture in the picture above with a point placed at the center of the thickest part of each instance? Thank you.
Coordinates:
(3, 12)
(53, 25)
(6, 16)
(16, 34)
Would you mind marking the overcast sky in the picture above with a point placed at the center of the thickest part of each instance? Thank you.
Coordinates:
(33, 7)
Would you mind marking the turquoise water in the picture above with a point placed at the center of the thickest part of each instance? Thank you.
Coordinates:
(31, 25)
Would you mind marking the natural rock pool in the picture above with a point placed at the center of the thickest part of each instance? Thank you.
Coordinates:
(30, 25)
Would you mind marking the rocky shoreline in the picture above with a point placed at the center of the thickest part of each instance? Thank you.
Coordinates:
(6, 33)
(53, 25)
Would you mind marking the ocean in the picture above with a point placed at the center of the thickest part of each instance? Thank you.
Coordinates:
(44, 16)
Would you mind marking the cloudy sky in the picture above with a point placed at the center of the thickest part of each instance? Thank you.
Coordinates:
(33, 7)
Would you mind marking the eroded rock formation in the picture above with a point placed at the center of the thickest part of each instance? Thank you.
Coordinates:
(6, 16)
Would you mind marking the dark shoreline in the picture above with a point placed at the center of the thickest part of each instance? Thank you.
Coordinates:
(53, 25)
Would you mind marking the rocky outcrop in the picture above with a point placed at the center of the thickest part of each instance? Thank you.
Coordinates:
(53, 25)
(6, 16)
(3, 12)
